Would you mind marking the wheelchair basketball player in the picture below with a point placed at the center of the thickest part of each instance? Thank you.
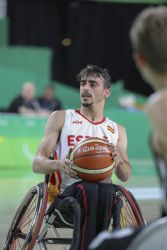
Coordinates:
(148, 36)
(63, 130)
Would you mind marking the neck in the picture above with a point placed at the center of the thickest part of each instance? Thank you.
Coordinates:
(95, 114)
(161, 82)
(158, 80)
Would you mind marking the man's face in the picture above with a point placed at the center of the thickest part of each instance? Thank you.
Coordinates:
(92, 91)
(28, 92)
(49, 93)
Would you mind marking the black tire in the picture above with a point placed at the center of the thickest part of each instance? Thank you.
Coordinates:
(27, 222)
(130, 214)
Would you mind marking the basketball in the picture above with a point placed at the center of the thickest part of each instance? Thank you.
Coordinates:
(92, 159)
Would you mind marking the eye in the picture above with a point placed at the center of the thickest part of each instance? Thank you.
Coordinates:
(82, 83)
(93, 84)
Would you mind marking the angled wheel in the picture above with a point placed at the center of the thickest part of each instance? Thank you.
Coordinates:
(151, 237)
(27, 222)
(127, 211)
(130, 213)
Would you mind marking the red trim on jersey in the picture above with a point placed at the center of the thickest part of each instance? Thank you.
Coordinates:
(94, 123)
(81, 187)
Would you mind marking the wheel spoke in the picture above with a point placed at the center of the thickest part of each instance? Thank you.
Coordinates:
(130, 211)
(28, 219)
(26, 216)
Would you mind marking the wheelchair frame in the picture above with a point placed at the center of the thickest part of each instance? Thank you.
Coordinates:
(25, 231)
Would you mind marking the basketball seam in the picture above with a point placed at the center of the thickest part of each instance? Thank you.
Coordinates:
(84, 156)
(82, 143)
(93, 171)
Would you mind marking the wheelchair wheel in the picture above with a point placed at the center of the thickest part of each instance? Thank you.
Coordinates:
(151, 237)
(130, 214)
(27, 222)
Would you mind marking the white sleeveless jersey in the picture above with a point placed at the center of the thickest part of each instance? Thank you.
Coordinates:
(77, 127)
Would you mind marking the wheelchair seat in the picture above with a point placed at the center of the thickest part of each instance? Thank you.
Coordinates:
(38, 222)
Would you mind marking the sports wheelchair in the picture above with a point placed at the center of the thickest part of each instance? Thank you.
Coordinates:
(38, 223)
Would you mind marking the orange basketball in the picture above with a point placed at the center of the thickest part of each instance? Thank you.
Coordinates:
(92, 159)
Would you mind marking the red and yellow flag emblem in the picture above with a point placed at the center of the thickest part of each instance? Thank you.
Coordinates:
(110, 129)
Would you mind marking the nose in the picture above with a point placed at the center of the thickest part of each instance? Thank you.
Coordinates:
(86, 86)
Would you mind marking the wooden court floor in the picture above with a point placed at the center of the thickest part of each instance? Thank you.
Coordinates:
(13, 189)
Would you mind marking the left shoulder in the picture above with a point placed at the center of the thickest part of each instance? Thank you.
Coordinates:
(122, 134)
(121, 128)
(156, 99)
(157, 104)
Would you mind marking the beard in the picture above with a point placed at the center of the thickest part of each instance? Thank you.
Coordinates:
(86, 99)
(86, 104)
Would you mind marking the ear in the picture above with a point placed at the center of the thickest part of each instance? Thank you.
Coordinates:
(107, 93)
(139, 60)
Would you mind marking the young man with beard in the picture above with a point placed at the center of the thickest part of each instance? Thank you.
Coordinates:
(66, 128)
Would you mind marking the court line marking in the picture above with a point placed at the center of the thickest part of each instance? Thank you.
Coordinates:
(27, 152)
(142, 161)
(140, 193)
(146, 193)
(134, 161)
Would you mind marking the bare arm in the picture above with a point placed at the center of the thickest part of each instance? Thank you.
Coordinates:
(122, 167)
(156, 109)
(42, 163)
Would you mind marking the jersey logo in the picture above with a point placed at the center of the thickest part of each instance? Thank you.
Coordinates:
(77, 122)
(111, 129)
(72, 140)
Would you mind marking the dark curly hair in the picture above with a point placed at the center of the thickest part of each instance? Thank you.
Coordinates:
(95, 71)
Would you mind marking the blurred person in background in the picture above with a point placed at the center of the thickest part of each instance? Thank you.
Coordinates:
(26, 103)
(48, 101)
(148, 36)
(149, 41)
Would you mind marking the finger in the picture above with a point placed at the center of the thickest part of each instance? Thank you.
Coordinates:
(68, 168)
(112, 147)
(69, 153)
(68, 162)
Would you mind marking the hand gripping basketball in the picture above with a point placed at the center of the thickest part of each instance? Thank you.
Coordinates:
(92, 159)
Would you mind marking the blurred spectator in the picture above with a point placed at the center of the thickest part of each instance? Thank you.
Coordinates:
(26, 103)
(47, 101)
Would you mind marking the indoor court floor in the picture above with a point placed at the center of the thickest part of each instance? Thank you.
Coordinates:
(13, 186)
